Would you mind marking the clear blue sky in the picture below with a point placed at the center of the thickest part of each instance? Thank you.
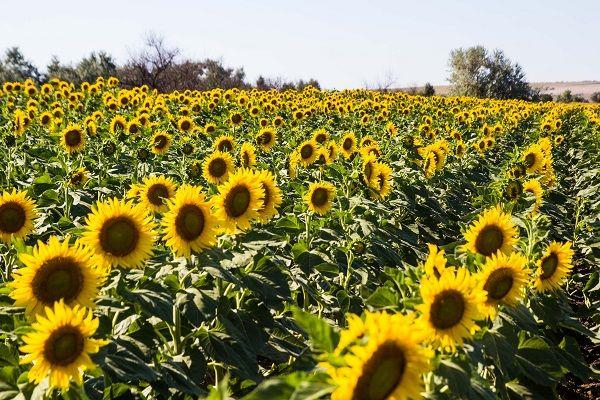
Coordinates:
(341, 43)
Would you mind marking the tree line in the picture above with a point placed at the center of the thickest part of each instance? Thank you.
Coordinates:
(156, 65)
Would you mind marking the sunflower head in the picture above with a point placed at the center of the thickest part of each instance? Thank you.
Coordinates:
(272, 198)
(494, 231)
(224, 144)
(386, 363)
(17, 212)
(155, 192)
(189, 225)
(348, 145)
(73, 139)
(451, 304)
(239, 200)
(381, 180)
(247, 155)
(553, 267)
(307, 152)
(319, 197)
(119, 233)
(60, 344)
(56, 271)
(266, 138)
(504, 279)
(161, 141)
(217, 167)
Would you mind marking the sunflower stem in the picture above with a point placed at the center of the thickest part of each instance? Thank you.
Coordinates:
(176, 330)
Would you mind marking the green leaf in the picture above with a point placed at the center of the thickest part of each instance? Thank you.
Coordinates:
(295, 386)
(323, 337)
(383, 297)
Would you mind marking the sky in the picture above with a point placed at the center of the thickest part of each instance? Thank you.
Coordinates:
(343, 44)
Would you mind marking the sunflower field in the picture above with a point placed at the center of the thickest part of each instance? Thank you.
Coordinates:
(246, 244)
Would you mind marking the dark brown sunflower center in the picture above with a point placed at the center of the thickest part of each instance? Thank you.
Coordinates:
(45, 119)
(185, 125)
(236, 118)
(381, 374)
(58, 278)
(348, 144)
(549, 265)
(119, 236)
(265, 138)
(267, 198)
(237, 201)
(12, 217)
(319, 197)
(217, 167)
(73, 138)
(157, 194)
(210, 129)
(530, 160)
(225, 145)
(499, 283)
(189, 223)
(447, 309)
(489, 240)
(306, 151)
(160, 142)
(64, 345)
(133, 129)
(368, 170)
(246, 158)
(320, 138)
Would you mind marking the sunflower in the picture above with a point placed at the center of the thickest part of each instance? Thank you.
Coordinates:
(554, 267)
(356, 329)
(217, 167)
(494, 231)
(266, 138)
(389, 365)
(236, 118)
(117, 124)
(210, 128)
(79, 177)
(120, 233)
(513, 190)
(319, 197)
(155, 192)
(17, 212)
(451, 304)
(534, 188)
(185, 124)
(239, 200)
(189, 225)
(73, 139)
(435, 264)
(60, 344)
(247, 155)
(381, 180)
(533, 158)
(55, 271)
(320, 136)
(348, 145)
(368, 167)
(272, 198)
(161, 141)
(307, 152)
(224, 143)
(430, 164)
(504, 279)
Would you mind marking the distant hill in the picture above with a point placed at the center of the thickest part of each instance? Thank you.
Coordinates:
(583, 88)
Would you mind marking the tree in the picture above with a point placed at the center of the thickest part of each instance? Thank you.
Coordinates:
(14, 67)
(568, 97)
(477, 72)
(595, 97)
(428, 90)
